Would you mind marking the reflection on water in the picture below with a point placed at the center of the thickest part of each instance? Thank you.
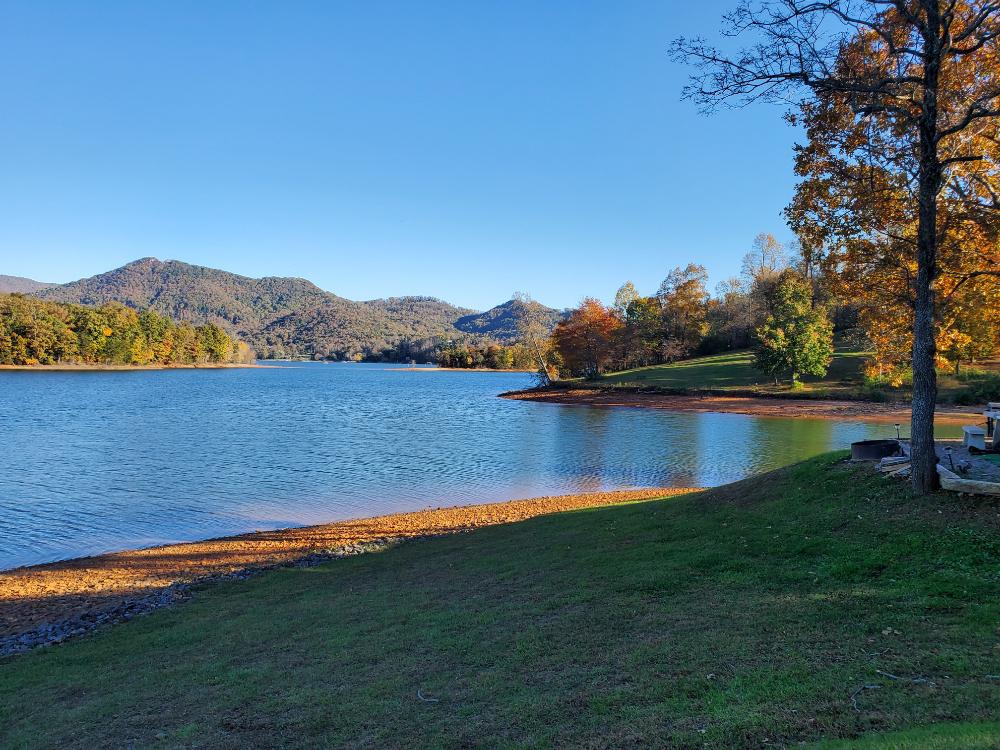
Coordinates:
(91, 462)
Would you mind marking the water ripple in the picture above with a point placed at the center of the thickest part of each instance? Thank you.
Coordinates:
(92, 462)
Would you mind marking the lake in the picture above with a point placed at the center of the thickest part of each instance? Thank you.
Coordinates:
(99, 461)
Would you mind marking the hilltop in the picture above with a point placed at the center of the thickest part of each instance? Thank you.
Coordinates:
(282, 316)
(500, 322)
(21, 285)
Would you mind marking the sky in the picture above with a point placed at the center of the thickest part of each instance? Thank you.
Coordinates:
(458, 150)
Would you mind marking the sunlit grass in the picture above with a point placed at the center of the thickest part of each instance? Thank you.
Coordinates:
(735, 371)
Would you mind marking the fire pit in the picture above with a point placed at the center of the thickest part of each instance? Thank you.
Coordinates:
(874, 450)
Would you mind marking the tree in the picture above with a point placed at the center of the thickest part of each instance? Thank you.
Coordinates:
(971, 328)
(855, 213)
(643, 332)
(760, 268)
(797, 338)
(766, 260)
(215, 343)
(34, 331)
(921, 77)
(683, 299)
(584, 339)
(624, 297)
(728, 321)
(533, 332)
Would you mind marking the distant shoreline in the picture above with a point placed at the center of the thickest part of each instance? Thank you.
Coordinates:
(125, 368)
(452, 369)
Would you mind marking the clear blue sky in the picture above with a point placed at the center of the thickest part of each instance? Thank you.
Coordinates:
(461, 150)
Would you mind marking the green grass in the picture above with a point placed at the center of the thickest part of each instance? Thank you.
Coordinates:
(985, 736)
(736, 618)
(735, 371)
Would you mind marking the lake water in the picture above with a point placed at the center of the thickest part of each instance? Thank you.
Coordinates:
(98, 461)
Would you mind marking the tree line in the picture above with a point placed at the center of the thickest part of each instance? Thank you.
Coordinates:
(772, 306)
(492, 356)
(39, 332)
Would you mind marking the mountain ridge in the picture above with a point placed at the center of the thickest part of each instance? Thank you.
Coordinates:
(21, 285)
(290, 316)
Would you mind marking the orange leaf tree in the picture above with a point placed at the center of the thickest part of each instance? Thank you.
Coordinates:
(585, 338)
(912, 88)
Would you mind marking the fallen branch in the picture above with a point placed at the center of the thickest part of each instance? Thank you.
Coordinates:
(915, 680)
(856, 693)
(427, 700)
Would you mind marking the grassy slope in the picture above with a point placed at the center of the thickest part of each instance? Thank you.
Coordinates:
(722, 619)
(734, 371)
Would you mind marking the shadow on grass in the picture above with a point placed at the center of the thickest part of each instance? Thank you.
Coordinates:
(738, 617)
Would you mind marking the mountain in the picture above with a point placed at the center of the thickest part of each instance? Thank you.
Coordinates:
(500, 322)
(21, 285)
(286, 316)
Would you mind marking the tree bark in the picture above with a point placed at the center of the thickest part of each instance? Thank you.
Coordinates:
(923, 456)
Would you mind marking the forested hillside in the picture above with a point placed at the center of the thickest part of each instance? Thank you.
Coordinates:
(500, 322)
(199, 295)
(21, 284)
(288, 316)
(37, 332)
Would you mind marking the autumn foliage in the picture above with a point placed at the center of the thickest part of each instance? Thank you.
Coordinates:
(585, 338)
(36, 332)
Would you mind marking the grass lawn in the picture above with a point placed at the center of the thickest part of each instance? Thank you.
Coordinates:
(734, 371)
(744, 616)
(984, 736)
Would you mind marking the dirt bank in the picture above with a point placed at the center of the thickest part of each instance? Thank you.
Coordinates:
(863, 411)
(48, 603)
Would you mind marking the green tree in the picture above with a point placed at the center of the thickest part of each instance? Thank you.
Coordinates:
(796, 339)
(214, 342)
(643, 332)
(684, 301)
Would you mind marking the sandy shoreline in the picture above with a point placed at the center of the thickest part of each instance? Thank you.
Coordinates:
(862, 411)
(48, 603)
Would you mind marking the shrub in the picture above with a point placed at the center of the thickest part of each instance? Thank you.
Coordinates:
(985, 387)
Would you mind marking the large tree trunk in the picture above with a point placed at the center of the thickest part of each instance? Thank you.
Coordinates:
(923, 456)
